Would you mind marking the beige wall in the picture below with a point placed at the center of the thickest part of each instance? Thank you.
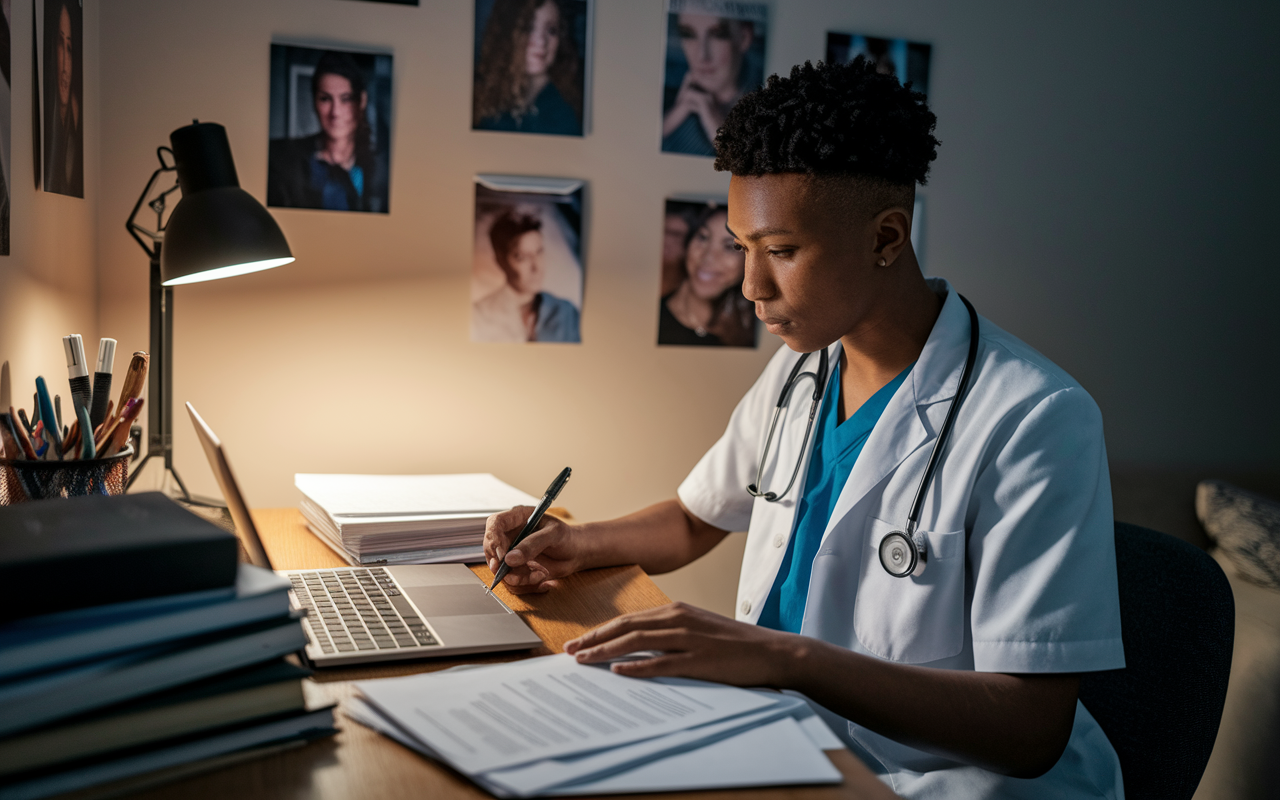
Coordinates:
(356, 358)
(1078, 200)
(48, 283)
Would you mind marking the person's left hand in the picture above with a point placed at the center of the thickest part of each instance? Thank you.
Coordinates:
(694, 644)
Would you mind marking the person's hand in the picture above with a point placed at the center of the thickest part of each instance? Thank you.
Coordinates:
(692, 643)
(693, 99)
(550, 552)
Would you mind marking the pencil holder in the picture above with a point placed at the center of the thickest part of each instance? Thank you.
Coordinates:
(22, 480)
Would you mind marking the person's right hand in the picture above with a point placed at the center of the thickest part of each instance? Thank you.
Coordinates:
(550, 552)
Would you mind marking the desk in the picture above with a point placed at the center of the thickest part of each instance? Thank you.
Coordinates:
(358, 763)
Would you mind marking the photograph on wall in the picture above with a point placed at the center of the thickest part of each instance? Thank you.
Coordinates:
(526, 277)
(715, 54)
(530, 64)
(701, 301)
(62, 66)
(330, 130)
(906, 61)
(6, 126)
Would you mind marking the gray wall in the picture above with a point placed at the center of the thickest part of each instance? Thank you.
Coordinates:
(1104, 187)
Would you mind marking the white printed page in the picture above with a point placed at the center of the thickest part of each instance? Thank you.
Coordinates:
(511, 714)
(410, 495)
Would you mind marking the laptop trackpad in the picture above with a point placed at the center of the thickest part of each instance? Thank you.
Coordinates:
(453, 601)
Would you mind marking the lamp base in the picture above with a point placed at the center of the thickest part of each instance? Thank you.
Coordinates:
(175, 488)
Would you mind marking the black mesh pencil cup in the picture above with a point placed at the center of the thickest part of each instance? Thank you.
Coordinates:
(22, 480)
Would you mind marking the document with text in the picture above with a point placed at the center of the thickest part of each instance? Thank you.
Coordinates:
(505, 715)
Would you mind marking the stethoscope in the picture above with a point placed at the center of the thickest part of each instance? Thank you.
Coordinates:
(902, 553)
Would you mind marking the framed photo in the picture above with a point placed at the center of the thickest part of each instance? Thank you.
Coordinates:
(529, 72)
(6, 127)
(63, 91)
(715, 54)
(907, 61)
(526, 279)
(330, 130)
(700, 300)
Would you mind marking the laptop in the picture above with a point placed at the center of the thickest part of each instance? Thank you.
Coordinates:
(359, 615)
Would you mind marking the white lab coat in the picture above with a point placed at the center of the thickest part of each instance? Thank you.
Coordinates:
(1021, 573)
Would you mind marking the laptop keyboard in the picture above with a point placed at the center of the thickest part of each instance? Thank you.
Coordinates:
(358, 609)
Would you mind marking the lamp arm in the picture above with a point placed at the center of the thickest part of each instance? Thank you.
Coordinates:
(157, 205)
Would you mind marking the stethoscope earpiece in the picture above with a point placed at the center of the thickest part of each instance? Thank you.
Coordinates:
(901, 556)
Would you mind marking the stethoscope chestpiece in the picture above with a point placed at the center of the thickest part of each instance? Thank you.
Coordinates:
(902, 555)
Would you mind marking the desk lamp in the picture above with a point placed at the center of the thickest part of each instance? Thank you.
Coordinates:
(217, 230)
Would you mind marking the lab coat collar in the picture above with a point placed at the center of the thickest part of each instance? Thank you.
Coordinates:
(937, 371)
(901, 429)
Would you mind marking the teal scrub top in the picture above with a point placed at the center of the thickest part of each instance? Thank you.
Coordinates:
(835, 450)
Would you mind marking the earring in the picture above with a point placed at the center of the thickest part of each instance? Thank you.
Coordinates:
(882, 263)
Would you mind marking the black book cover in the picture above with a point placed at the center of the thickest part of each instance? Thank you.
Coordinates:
(60, 554)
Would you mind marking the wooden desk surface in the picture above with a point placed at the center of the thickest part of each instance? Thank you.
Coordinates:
(358, 763)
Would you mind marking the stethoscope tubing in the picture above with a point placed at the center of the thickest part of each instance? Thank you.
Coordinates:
(935, 456)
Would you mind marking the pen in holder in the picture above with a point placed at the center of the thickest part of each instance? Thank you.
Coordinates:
(22, 480)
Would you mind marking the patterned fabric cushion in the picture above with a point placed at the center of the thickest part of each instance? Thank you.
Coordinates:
(1246, 526)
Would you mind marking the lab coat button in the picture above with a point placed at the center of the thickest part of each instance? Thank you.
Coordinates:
(779, 540)
(746, 606)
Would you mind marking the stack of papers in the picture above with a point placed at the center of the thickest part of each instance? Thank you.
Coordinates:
(550, 726)
(405, 519)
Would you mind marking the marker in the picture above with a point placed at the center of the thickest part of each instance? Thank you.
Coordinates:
(102, 381)
(78, 373)
(553, 491)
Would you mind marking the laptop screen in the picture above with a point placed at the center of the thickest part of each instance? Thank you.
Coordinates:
(245, 528)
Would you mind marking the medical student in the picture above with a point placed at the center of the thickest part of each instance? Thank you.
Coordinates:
(956, 680)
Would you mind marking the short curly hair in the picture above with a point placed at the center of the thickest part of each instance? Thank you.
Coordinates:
(831, 120)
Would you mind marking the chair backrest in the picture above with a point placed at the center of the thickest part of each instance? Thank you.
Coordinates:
(1161, 712)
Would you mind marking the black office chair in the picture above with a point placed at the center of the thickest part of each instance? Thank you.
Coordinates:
(1161, 712)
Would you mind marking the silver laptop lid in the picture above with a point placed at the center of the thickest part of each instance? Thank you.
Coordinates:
(221, 467)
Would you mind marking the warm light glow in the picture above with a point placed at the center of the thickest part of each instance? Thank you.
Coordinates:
(229, 272)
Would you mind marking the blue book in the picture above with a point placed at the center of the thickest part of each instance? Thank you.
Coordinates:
(55, 640)
(56, 694)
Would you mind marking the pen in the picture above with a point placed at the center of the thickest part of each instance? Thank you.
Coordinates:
(102, 381)
(86, 447)
(24, 441)
(51, 432)
(134, 379)
(121, 434)
(78, 375)
(553, 491)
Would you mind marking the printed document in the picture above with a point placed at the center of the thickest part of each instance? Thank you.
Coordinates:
(506, 715)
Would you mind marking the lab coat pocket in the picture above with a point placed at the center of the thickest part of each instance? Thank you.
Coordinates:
(919, 618)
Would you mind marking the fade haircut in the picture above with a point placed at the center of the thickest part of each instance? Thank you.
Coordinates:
(846, 126)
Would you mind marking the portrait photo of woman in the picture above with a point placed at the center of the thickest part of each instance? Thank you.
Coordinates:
(330, 130)
(712, 60)
(63, 98)
(707, 307)
(526, 281)
(530, 66)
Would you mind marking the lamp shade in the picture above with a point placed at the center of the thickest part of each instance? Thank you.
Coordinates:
(218, 229)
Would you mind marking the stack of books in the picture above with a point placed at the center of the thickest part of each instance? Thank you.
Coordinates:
(405, 519)
(132, 643)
